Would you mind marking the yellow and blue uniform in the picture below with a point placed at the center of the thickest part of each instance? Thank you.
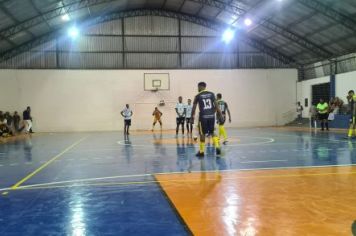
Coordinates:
(223, 108)
(206, 102)
(352, 129)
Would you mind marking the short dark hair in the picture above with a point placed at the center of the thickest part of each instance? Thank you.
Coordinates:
(219, 95)
(202, 84)
(351, 91)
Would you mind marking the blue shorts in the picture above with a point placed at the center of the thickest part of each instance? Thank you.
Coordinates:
(206, 126)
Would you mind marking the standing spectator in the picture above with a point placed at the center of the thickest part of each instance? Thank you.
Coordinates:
(28, 120)
(322, 108)
(313, 115)
(127, 114)
(299, 112)
(16, 121)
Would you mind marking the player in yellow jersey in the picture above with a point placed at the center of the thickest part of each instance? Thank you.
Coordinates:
(224, 108)
(351, 98)
(157, 114)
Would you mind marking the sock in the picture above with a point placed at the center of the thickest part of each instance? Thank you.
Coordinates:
(202, 147)
(222, 132)
(216, 142)
(350, 132)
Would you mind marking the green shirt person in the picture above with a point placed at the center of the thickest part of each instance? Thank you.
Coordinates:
(322, 109)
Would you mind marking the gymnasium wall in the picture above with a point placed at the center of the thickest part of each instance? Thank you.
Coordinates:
(91, 100)
(344, 83)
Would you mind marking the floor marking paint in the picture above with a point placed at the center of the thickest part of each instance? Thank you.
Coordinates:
(268, 140)
(88, 179)
(170, 173)
(5, 193)
(111, 184)
(46, 164)
(244, 162)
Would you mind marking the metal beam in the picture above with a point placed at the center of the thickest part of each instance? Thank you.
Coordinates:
(3, 8)
(153, 12)
(39, 13)
(72, 7)
(316, 49)
(236, 9)
(328, 11)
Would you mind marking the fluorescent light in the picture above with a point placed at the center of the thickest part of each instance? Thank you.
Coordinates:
(65, 17)
(228, 35)
(73, 32)
(248, 22)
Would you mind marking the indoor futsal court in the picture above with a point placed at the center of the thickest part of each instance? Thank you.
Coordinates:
(178, 117)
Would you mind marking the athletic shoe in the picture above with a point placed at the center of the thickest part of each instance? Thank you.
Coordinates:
(225, 142)
(218, 151)
(200, 154)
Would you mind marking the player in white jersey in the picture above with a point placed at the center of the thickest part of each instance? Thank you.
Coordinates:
(188, 116)
(127, 114)
(181, 112)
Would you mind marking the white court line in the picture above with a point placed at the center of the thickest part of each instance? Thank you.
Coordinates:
(85, 180)
(268, 140)
(307, 136)
(245, 162)
(171, 173)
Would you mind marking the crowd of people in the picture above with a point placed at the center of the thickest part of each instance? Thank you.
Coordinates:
(12, 124)
(325, 112)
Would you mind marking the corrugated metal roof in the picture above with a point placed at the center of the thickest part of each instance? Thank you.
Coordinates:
(303, 30)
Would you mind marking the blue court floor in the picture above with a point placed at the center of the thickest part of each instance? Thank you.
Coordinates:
(104, 184)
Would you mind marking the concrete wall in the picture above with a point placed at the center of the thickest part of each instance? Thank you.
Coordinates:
(344, 83)
(91, 100)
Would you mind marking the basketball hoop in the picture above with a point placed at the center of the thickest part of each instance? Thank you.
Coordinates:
(154, 90)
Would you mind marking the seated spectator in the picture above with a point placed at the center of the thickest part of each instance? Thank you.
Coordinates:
(4, 128)
(335, 105)
(9, 119)
(16, 120)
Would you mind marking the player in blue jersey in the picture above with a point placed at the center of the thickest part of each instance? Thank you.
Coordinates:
(208, 107)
